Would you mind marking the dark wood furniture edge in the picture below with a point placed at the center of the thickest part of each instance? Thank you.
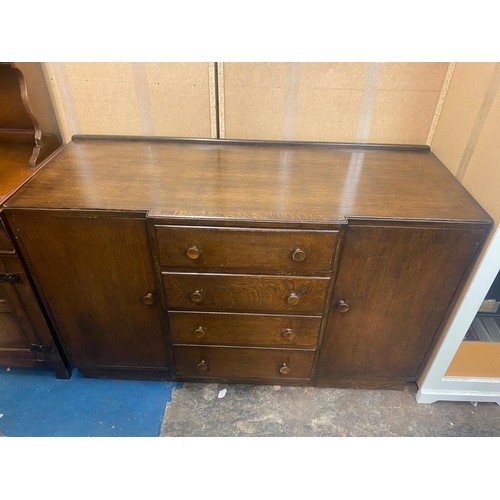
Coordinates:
(44, 143)
(204, 221)
(33, 171)
(56, 359)
(246, 380)
(24, 97)
(251, 142)
(366, 383)
(441, 330)
(16, 136)
(329, 301)
(127, 373)
(485, 223)
(23, 358)
(44, 149)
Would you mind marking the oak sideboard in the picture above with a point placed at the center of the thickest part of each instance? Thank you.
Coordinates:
(246, 261)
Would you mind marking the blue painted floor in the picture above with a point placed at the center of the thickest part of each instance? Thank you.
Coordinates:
(34, 403)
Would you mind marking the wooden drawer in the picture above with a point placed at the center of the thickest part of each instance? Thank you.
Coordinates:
(245, 293)
(251, 250)
(205, 361)
(5, 243)
(244, 329)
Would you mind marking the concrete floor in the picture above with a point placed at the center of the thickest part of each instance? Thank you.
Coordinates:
(263, 410)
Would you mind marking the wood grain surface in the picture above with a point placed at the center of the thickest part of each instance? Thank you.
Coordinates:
(235, 292)
(94, 274)
(5, 242)
(244, 329)
(253, 183)
(398, 282)
(13, 113)
(251, 250)
(242, 362)
(14, 166)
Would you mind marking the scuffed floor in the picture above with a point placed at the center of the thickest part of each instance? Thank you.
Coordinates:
(252, 410)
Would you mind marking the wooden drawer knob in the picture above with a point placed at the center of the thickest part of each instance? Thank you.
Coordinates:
(196, 297)
(148, 299)
(284, 370)
(200, 332)
(299, 255)
(193, 252)
(288, 334)
(342, 306)
(293, 299)
(202, 366)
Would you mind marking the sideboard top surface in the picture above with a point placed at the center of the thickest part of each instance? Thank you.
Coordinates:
(266, 182)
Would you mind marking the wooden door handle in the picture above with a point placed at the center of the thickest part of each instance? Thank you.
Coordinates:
(200, 332)
(193, 252)
(342, 306)
(202, 366)
(197, 297)
(148, 299)
(284, 370)
(293, 299)
(299, 255)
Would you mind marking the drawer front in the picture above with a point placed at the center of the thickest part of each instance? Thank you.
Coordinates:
(245, 293)
(259, 250)
(244, 329)
(205, 361)
(5, 243)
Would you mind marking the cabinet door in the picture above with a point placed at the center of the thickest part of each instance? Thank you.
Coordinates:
(398, 284)
(23, 325)
(95, 274)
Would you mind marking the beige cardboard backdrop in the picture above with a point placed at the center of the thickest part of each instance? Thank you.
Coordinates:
(156, 99)
(467, 138)
(352, 102)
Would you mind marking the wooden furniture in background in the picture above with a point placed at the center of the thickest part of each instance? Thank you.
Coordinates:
(26, 113)
(25, 335)
(247, 261)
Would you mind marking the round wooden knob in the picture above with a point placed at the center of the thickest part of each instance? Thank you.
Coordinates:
(200, 332)
(342, 306)
(148, 299)
(288, 334)
(196, 297)
(193, 252)
(284, 370)
(202, 366)
(293, 299)
(299, 255)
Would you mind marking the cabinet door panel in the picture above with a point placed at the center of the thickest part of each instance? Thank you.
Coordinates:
(398, 283)
(93, 273)
(22, 323)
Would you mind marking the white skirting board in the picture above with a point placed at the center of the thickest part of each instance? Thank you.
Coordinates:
(462, 389)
